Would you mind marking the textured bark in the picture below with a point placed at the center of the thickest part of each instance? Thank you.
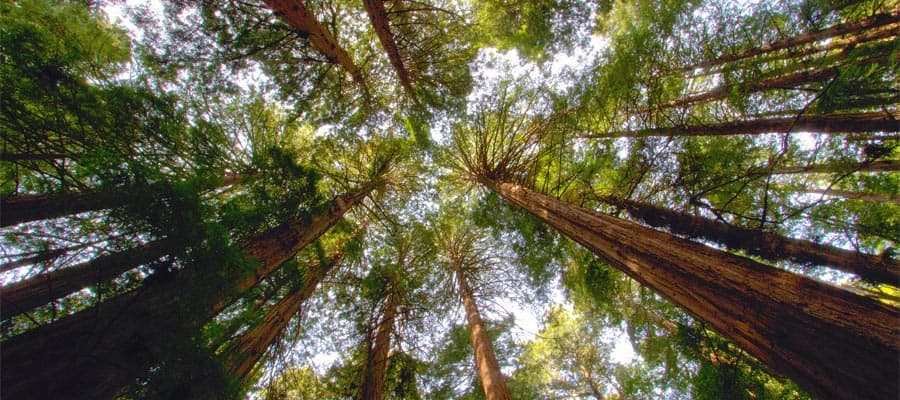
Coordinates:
(492, 380)
(372, 387)
(844, 123)
(866, 166)
(242, 355)
(295, 14)
(767, 245)
(96, 353)
(25, 295)
(867, 23)
(833, 343)
(380, 23)
(15, 210)
(872, 197)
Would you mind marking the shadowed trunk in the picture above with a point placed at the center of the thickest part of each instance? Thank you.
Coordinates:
(25, 295)
(768, 245)
(492, 380)
(295, 14)
(846, 194)
(843, 123)
(867, 23)
(242, 355)
(831, 342)
(866, 166)
(96, 353)
(380, 23)
(15, 210)
(372, 387)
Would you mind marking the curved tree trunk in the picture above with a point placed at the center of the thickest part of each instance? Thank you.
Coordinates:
(843, 123)
(242, 355)
(831, 342)
(372, 387)
(381, 24)
(767, 245)
(25, 295)
(492, 380)
(96, 353)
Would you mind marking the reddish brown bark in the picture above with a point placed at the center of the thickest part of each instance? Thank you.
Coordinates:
(96, 353)
(242, 355)
(844, 123)
(492, 380)
(870, 22)
(295, 14)
(833, 343)
(372, 387)
(846, 194)
(25, 295)
(767, 245)
(380, 22)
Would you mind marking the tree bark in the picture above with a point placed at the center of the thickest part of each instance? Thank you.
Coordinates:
(22, 296)
(15, 210)
(867, 23)
(492, 380)
(295, 14)
(372, 387)
(768, 245)
(381, 24)
(96, 353)
(831, 342)
(242, 355)
(846, 194)
(844, 123)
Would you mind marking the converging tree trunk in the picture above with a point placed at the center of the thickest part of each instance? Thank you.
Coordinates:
(833, 343)
(96, 353)
(41, 289)
(838, 167)
(381, 24)
(375, 369)
(492, 380)
(835, 123)
(847, 194)
(768, 245)
(15, 210)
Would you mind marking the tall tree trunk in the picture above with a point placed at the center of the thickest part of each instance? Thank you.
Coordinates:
(372, 387)
(844, 123)
(872, 197)
(96, 353)
(831, 342)
(242, 355)
(865, 166)
(25, 295)
(768, 245)
(381, 24)
(15, 210)
(492, 380)
(867, 23)
(295, 14)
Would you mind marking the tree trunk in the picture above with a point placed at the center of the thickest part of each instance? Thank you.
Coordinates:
(372, 387)
(380, 23)
(831, 342)
(865, 166)
(25, 295)
(867, 23)
(242, 355)
(11, 157)
(492, 380)
(37, 257)
(96, 353)
(295, 14)
(872, 197)
(15, 210)
(768, 245)
(844, 123)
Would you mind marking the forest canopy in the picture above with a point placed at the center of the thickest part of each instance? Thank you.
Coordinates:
(450, 199)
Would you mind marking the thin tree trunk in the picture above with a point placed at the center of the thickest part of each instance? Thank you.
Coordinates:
(15, 210)
(845, 123)
(96, 353)
(867, 23)
(492, 380)
(831, 342)
(865, 166)
(242, 355)
(380, 23)
(872, 197)
(295, 14)
(372, 387)
(22, 296)
(768, 245)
